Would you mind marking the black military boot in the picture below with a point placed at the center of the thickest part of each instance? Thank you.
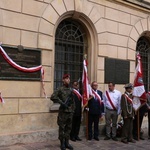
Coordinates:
(62, 144)
(68, 145)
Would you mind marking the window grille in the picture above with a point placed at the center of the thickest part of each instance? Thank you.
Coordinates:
(143, 47)
(69, 49)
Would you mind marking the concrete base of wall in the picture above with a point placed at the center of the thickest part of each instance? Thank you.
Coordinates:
(37, 136)
(28, 137)
(47, 135)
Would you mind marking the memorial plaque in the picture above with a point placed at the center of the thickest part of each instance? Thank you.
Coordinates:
(25, 58)
(117, 71)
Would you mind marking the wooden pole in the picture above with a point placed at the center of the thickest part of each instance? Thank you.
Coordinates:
(87, 120)
(138, 126)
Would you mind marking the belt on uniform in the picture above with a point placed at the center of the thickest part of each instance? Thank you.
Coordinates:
(110, 109)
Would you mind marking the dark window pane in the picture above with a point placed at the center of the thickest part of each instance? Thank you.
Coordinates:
(143, 47)
(117, 71)
(69, 50)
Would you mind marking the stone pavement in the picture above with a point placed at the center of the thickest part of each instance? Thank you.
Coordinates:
(83, 145)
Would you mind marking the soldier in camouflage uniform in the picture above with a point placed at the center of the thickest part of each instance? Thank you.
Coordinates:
(64, 96)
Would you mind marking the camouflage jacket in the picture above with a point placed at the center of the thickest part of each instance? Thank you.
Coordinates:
(64, 95)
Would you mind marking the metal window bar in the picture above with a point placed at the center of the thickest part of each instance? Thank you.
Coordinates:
(143, 46)
(69, 49)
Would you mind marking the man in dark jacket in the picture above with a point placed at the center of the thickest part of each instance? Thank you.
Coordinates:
(64, 97)
(74, 135)
(95, 110)
(127, 114)
(148, 109)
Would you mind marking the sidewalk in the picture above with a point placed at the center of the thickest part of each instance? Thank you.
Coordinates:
(84, 145)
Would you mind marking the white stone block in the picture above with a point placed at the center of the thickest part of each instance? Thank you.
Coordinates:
(139, 27)
(117, 15)
(29, 39)
(59, 6)
(96, 13)
(20, 21)
(45, 42)
(69, 4)
(14, 5)
(131, 54)
(134, 34)
(108, 51)
(46, 27)
(144, 24)
(104, 25)
(33, 7)
(112, 39)
(122, 53)
(124, 29)
(132, 66)
(132, 44)
(100, 63)
(10, 36)
(50, 15)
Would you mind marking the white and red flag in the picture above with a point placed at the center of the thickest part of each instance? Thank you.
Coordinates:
(138, 90)
(87, 91)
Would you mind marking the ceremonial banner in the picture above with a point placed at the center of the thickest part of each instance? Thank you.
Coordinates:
(138, 90)
(86, 87)
(96, 95)
(76, 92)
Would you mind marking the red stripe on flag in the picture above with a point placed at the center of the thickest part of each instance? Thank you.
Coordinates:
(139, 89)
(85, 84)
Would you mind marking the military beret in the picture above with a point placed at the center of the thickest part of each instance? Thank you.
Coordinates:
(66, 76)
(129, 85)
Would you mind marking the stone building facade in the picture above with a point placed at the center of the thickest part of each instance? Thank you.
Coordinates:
(112, 28)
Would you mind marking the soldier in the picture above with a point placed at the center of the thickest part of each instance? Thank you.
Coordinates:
(74, 135)
(64, 97)
(127, 114)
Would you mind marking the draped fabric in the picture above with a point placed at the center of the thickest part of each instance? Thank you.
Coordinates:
(138, 90)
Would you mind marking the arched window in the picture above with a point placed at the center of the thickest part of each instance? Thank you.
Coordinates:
(143, 47)
(70, 45)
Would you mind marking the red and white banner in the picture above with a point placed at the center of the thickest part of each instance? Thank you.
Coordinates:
(110, 101)
(128, 99)
(85, 83)
(96, 95)
(138, 90)
(77, 93)
(23, 69)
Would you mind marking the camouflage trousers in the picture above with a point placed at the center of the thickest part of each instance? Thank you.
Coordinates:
(64, 122)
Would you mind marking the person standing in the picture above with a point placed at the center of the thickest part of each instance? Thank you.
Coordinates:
(148, 107)
(74, 135)
(127, 114)
(95, 110)
(111, 100)
(64, 97)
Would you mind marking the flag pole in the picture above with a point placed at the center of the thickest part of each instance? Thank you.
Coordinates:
(138, 126)
(87, 113)
(138, 91)
(87, 120)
